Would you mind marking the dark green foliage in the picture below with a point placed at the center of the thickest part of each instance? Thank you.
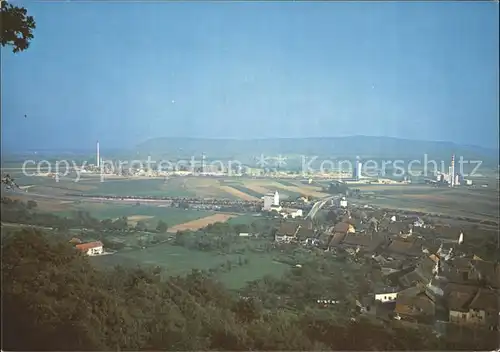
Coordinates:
(16, 27)
(338, 188)
(141, 226)
(53, 299)
(162, 227)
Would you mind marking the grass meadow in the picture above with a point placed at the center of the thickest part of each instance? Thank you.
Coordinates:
(176, 260)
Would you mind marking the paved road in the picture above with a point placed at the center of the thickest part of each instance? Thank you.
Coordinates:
(318, 205)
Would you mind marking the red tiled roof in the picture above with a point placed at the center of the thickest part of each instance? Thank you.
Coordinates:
(88, 245)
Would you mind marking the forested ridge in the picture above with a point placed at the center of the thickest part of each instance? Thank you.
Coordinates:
(54, 299)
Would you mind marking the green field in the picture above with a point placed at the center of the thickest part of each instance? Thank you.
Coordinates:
(140, 187)
(245, 219)
(259, 265)
(172, 216)
(176, 260)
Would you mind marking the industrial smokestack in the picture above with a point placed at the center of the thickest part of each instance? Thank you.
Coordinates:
(452, 170)
(98, 158)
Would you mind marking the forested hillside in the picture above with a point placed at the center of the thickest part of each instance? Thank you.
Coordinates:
(54, 299)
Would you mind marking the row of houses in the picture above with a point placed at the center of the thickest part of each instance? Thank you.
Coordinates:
(421, 281)
(465, 295)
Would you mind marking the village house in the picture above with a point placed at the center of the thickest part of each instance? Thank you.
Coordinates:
(306, 223)
(344, 227)
(422, 274)
(398, 228)
(357, 242)
(473, 272)
(418, 222)
(386, 294)
(484, 308)
(304, 234)
(286, 232)
(91, 248)
(336, 240)
(484, 272)
(416, 304)
(446, 249)
(471, 305)
(410, 247)
(372, 224)
(291, 213)
(276, 208)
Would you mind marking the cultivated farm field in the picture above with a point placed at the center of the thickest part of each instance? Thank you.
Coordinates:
(202, 222)
(463, 202)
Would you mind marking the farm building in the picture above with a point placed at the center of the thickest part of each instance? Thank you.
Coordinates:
(91, 248)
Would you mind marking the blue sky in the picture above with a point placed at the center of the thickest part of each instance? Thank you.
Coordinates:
(126, 72)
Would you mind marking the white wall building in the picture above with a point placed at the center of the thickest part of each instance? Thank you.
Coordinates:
(291, 213)
(386, 297)
(271, 199)
(276, 198)
(276, 208)
(91, 248)
(343, 202)
(283, 238)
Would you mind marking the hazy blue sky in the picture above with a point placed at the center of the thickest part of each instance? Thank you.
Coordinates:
(126, 72)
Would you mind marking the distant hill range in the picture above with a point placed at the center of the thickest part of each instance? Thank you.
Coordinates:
(362, 146)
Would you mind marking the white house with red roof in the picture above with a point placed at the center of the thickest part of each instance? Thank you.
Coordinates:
(91, 248)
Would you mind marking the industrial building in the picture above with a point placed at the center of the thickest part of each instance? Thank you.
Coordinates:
(270, 200)
(97, 156)
(356, 171)
(452, 178)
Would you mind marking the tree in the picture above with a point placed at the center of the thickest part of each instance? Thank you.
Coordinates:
(141, 226)
(239, 228)
(54, 299)
(107, 223)
(121, 223)
(179, 239)
(17, 27)
(162, 226)
(8, 182)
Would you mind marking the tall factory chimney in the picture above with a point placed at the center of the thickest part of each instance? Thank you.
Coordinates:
(98, 158)
(452, 171)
